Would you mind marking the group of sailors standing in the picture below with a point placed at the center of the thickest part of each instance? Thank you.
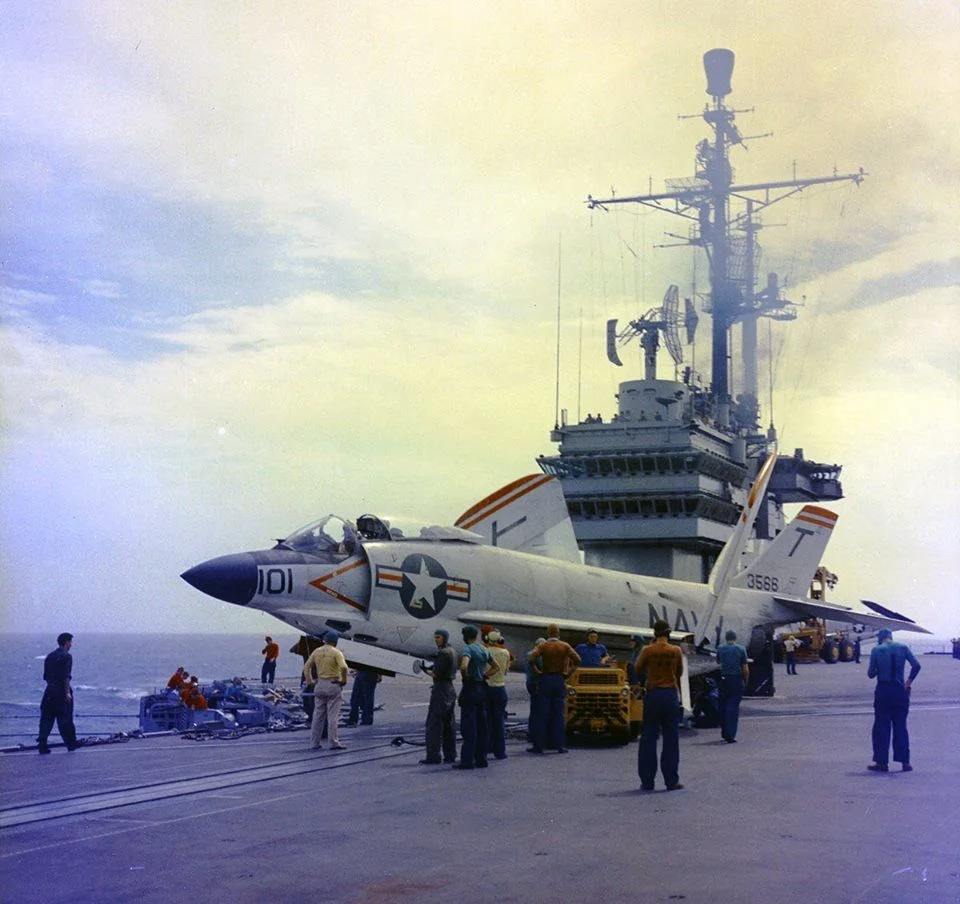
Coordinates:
(483, 665)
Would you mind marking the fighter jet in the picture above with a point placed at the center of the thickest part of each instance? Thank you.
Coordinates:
(512, 561)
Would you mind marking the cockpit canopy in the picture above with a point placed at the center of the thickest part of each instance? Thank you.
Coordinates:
(338, 536)
(334, 534)
(329, 534)
(370, 527)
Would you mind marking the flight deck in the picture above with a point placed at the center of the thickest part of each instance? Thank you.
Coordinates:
(787, 814)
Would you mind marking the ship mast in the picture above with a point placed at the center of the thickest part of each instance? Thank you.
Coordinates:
(657, 488)
(705, 200)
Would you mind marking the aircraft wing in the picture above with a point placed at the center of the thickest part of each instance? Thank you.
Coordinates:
(697, 662)
(529, 515)
(385, 661)
(538, 624)
(863, 613)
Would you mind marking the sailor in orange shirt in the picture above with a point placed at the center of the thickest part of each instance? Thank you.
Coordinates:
(189, 690)
(662, 664)
(178, 678)
(558, 660)
(192, 697)
(271, 653)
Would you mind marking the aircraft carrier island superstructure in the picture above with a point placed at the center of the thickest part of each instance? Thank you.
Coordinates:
(656, 488)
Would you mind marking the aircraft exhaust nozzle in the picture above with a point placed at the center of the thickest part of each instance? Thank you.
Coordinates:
(718, 65)
(232, 578)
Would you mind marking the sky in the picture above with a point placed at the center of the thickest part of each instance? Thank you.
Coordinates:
(262, 262)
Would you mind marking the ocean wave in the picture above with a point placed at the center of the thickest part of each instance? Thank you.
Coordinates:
(124, 693)
(132, 695)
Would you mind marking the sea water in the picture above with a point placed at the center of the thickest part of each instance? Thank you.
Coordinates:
(111, 672)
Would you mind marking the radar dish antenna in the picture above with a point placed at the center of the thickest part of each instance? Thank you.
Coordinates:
(667, 320)
(613, 339)
(671, 333)
(690, 319)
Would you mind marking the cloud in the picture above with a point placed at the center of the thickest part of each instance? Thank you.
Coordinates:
(261, 264)
(927, 275)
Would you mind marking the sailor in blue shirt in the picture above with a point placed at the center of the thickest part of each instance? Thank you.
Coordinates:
(57, 702)
(734, 675)
(592, 653)
(476, 662)
(891, 701)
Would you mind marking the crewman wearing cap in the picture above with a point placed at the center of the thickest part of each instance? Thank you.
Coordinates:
(326, 669)
(441, 733)
(891, 701)
(636, 647)
(496, 694)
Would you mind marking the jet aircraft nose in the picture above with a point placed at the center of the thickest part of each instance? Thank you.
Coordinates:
(232, 578)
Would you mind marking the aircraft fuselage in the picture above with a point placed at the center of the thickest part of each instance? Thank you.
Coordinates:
(396, 594)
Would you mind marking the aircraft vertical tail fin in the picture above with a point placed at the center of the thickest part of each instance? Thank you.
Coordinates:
(788, 564)
(528, 515)
(726, 565)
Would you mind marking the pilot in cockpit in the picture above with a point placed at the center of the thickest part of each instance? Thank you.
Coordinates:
(349, 544)
(370, 527)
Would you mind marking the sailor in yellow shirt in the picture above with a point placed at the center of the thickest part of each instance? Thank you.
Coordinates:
(327, 669)
(496, 696)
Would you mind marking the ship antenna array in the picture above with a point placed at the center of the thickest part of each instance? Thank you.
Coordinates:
(665, 320)
(704, 200)
(556, 408)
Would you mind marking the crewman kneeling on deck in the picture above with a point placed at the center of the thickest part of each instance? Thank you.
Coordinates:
(662, 663)
(192, 695)
(188, 688)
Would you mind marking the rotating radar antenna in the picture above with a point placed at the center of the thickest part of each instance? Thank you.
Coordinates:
(666, 320)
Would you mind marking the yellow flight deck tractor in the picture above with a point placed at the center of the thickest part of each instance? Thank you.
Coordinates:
(815, 641)
(818, 643)
(600, 701)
